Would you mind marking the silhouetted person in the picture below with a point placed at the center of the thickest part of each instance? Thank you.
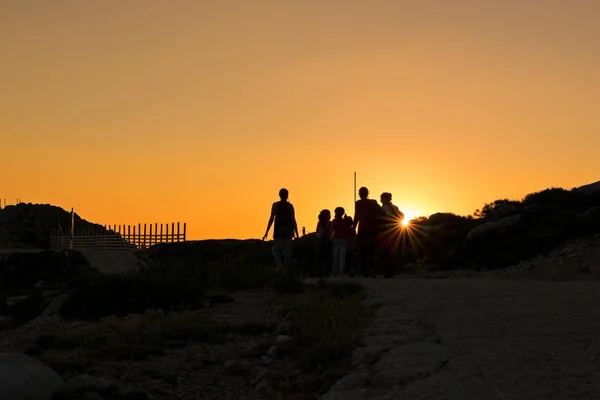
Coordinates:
(284, 215)
(343, 233)
(324, 244)
(367, 214)
(389, 237)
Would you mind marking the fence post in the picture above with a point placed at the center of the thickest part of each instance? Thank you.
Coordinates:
(184, 231)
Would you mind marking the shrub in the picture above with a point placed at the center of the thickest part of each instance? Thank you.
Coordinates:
(324, 321)
(121, 295)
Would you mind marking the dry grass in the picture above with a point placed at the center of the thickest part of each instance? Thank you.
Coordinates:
(325, 322)
(322, 323)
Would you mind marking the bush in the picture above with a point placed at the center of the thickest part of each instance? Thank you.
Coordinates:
(21, 271)
(121, 295)
(325, 320)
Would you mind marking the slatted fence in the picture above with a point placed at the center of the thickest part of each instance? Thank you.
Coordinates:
(119, 237)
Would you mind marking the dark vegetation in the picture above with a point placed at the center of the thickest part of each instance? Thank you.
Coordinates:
(505, 232)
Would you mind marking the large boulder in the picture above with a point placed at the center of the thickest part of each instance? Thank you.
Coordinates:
(25, 378)
(492, 227)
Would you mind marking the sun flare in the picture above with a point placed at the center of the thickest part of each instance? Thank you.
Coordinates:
(408, 216)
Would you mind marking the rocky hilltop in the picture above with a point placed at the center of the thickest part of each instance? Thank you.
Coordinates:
(29, 226)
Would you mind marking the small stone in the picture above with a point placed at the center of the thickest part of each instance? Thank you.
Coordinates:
(282, 339)
(39, 284)
(91, 396)
(136, 395)
(86, 383)
(272, 352)
(372, 302)
(266, 360)
(13, 301)
(284, 328)
(49, 293)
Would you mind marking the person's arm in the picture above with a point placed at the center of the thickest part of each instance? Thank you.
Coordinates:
(356, 217)
(294, 219)
(271, 219)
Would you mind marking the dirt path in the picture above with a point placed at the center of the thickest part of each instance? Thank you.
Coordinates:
(479, 338)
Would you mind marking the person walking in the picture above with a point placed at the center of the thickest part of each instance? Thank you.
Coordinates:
(284, 217)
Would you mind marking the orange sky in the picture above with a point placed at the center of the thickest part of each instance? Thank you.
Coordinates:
(200, 111)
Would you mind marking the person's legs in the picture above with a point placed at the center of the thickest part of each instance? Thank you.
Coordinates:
(287, 255)
(320, 259)
(336, 255)
(341, 270)
(277, 249)
(350, 262)
(329, 258)
(366, 258)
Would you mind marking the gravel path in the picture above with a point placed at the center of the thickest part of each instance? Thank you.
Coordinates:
(479, 338)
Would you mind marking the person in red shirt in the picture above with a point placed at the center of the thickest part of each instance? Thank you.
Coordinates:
(343, 232)
(367, 217)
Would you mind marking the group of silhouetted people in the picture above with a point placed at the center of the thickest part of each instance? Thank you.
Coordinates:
(368, 241)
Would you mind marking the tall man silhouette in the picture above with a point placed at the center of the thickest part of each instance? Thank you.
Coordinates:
(367, 215)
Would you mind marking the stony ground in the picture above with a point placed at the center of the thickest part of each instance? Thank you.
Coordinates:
(479, 338)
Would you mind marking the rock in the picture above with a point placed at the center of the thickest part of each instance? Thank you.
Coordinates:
(372, 302)
(490, 227)
(91, 396)
(39, 284)
(13, 301)
(284, 328)
(282, 339)
(367, 355)
(272, 352)
(195, 365)
(265, 388)
(82, 384)
(583, 268)
(266, 360)
(136, 395)
(358, 394)
(50, 293)
(353, 381)
(409, 362)
(51, 311)
(25, 378)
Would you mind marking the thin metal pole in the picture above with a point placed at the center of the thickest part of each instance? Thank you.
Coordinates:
(354, 186)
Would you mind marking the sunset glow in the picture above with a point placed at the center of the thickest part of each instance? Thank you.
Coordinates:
(200, 112)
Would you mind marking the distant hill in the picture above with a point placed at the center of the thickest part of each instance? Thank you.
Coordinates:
(25, 226)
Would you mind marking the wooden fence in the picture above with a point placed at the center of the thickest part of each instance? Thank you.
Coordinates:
(119, 237)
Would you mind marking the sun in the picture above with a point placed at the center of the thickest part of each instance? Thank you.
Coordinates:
(408, 216)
